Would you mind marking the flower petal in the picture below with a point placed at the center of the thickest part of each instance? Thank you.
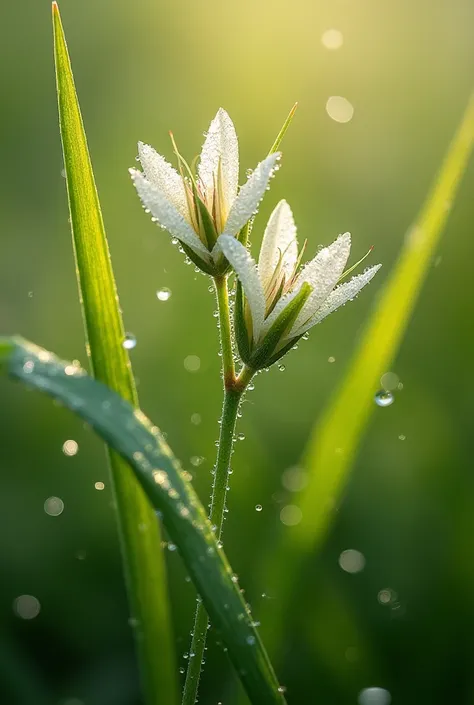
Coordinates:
(166, 214)
(164, 177)
(279, 240)
(250, 195)
(338, 297)
(221, 144)
(322, 274)
(246, 270)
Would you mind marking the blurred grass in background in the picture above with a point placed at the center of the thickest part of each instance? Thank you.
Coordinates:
(140, 70)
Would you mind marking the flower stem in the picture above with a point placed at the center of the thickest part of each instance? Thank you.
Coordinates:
(234, 387)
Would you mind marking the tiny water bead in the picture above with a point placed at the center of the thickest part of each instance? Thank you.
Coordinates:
(352, 561)
(241, 436)
(258, 507)
(251, 640)
(196, 460)
(70, 447)
(374, 696)
(26, 606)
(99, 485)
(129, 342)
(401, 437)
(163, 294)
(331, 359)
(192, 363)
(332, 39)
(196, 419)
(54, 506)
(384, 398)
(282, 368)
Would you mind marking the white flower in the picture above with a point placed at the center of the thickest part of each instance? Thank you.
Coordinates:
(275, 303)
(196, 209)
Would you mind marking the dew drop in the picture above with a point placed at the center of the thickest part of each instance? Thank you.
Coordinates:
(241, 436)
(258, 507)
(99, 485)
(196, 460)
(384, 398)
(196, 419)
(250, 640)
(374, 696)
(282, 368)
(129, 342)
(163, 294)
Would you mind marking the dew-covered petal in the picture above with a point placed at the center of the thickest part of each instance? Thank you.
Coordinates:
(250, 195)
(246, 270)
(164, 177)
(220, 144)
(166, 214)
(322, 274)
(338, 297)
(279, 241)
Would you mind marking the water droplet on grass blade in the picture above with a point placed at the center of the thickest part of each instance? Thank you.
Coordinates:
(384, 398)
(129, 342)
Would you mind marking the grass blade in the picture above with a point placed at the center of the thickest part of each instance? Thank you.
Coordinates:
(345, 421)
(130, 433)
(141, 552)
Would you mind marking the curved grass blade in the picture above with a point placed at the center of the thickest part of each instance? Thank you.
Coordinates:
(345, 421)
(129, 432)
(141, 550)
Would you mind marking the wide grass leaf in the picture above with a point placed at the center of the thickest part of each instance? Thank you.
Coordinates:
(142, 445)
(141, 551)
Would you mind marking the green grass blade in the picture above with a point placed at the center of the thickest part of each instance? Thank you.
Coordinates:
(344, 422)
(142, 556)
(346, 419)
(130, 433)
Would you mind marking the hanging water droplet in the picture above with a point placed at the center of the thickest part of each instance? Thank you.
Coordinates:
(163, 294)
(241, 436)
(384, 398)
(374, 696)
(251, 387)
(282, 368)
(181, 669)
(129, 342)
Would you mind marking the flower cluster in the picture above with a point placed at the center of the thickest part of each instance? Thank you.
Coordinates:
(276, 301)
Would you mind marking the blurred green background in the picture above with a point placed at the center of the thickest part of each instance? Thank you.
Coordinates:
(141, 69)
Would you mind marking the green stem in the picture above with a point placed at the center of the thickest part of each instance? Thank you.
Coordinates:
(234, 387)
